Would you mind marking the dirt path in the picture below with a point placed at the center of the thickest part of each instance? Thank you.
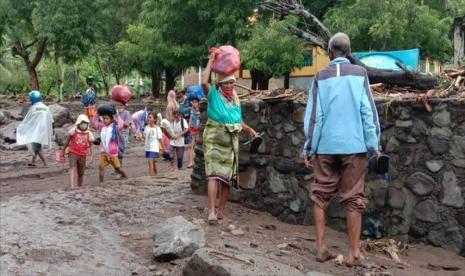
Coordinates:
(107, 229)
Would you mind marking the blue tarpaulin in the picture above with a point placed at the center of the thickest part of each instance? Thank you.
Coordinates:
(387, 59)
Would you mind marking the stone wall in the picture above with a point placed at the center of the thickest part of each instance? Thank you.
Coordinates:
(422, 201)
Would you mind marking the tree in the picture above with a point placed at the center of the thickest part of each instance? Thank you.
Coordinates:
(271, 52)
(392, 25)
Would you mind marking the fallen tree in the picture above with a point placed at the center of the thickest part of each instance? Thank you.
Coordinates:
(315, 33)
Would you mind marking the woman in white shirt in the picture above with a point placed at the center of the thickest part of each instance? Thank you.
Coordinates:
(178, 128)
(152, 137)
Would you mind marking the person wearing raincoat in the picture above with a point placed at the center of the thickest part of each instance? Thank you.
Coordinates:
(36, 130)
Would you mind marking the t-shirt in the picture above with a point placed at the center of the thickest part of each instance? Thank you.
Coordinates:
(80, 141)
(221, 109)
(152, 136)
(176, 129)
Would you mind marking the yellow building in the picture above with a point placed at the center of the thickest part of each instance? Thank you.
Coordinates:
(429, 65)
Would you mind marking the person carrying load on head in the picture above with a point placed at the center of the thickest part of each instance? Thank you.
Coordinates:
(89, 99)
(36, 130)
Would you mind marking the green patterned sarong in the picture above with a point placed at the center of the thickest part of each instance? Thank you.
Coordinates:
(221, 152)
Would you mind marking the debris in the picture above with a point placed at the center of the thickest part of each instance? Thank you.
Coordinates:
(339, 260)
(282, 245)
(238, 232)
(231, 227)
(253, 245)
(389, 247)
(125, 234)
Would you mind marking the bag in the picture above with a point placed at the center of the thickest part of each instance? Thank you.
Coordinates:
(187, 136)
(121, 94)
(89, 98)
(106, 109)
(195, 92)
(227, 60)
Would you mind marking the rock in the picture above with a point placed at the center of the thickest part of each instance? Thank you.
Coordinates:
(336, 209)
(235, 195)
(8, 132)
(207, 261)
(298, 115)
(420, 183)
(426, 211)
(440, 107)
(238, 232)
(404, 124)
(396, 198)
(457, 147)
(265, 147)
(450, 195)
(379, 197)
(4, 117)
(15, 147)
(450, 238)
(392, 145)
(275, 181)
(295, 205)
(15, 113)
(289, 128)
(404, 114)
(177, 238)
(416, 231)
(420, 127)
(60, 114)
(459, 163)
(441, 132)
(295, 140)
(438, 145)
(460, 217)
(244, 158)
(284, 165)
(308, 216)
(61, 134)
(315, 273)
(434, 165)
(442, 118)
(248, 179)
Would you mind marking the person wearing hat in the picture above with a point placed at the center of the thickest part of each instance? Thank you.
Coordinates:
(36, 130)
(221, 139)
(79, 144)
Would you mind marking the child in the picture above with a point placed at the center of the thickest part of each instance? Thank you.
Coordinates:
(78, 141)
(194, 123)
(178, 128)
(109, 145)
(36, 130)
(139, 119)
(152, 137)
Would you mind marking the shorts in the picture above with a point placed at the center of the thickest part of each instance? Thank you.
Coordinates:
(340, 173)
(36, 147)
(151, 154)
(77, 161)
(105, 160)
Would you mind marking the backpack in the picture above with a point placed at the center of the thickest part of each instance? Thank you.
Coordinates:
(185, 109)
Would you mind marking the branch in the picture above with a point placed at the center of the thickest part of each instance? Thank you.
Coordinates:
(40, 52)
(32, 43)
(310, 37)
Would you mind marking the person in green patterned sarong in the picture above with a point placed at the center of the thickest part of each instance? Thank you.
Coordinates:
(221, 139)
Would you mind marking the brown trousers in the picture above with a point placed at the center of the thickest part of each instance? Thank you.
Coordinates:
(343, 173)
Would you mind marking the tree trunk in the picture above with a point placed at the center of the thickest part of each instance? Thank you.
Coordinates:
(286, 80)
(259, 80)
(459, 41)
(21, 50)
(156, 86)
(102, 74)
(170, 79)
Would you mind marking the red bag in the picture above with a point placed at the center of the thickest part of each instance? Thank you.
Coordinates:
(121, 94)
(227, 60)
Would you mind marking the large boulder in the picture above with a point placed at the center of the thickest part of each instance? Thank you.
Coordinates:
(8, 132)
(427, 211)
(15, 113)
(451, 195)
(177, 238)
(60, 115)
(450, 238)
(62, 133)
(206, 261)
(4, 117)
(420, 183)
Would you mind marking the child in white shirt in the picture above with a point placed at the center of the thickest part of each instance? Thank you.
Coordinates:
(152, 137)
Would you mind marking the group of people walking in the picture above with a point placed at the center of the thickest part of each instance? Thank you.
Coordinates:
(341, 126)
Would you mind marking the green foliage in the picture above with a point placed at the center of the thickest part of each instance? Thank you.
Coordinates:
(271, 49)
(391, 25)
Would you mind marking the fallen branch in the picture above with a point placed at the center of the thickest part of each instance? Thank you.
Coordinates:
(221, 254)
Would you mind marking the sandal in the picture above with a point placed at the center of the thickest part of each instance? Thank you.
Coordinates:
(326, 256)
(212, 219)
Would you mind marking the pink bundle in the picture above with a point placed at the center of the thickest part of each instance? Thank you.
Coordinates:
(227, 60)
(121, 94)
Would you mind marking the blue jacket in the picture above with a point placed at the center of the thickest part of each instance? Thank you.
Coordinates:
(341, 116)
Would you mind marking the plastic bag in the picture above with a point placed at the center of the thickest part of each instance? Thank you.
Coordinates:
(195, 92)
(121, 94)
(227, 60)
(106, 109)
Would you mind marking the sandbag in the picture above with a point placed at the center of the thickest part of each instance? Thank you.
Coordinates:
(195, 92)
(106, 109)
(121, 94)
(227, 60)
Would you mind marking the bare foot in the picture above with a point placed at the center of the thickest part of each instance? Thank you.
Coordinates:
(212, 219)
(220, 215)
(357, 262)
(324, 256)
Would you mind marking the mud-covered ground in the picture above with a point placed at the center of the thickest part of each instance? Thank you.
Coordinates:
(47, 229)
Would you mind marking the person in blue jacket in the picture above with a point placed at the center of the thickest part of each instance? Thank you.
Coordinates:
(341, 126)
